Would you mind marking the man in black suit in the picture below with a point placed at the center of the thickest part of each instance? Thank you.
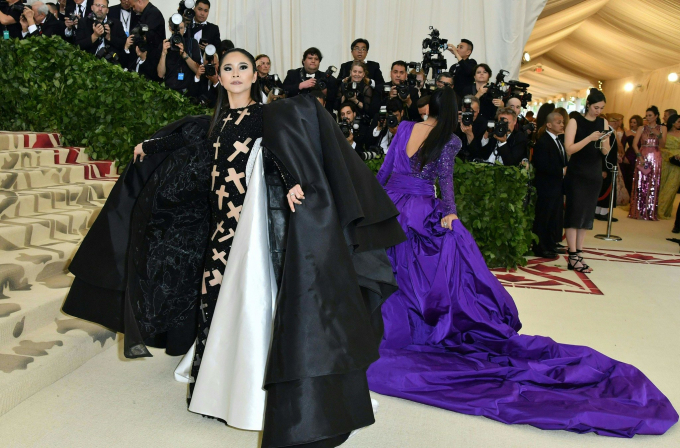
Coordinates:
(550, 161)
(151, 16)
(306, 78)
(398, 76)
(80, 8)
(92, 36)
(383, 132)
(126, 17)
(510, 148)
(359, 134)
(39, 21)
(471, 135)
(464, 69)
(359, 53)
(141, 60)
(200, 29)
(204, 88)
(10, 18)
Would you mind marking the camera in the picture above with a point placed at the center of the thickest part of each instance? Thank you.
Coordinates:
(392, 121)
(176, 38)
(433, 47)
(385, 119)
(374, 152)
(468, 115)
(107, 53)
(350, 89)
(96, 21)
(186, 10)
(498, 89)
(72, 17)
(18, 7)
(500, 128)
(277, 91)
(528, 126)
(346, 128)
(270, 81)
(322, 83)
(519, 90)
(210, 51)
(138, 34)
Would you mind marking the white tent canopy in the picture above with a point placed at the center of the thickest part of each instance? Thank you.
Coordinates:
(580, 42)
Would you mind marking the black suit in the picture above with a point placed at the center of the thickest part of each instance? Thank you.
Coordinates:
(512, 152)
(374, 72)
(118, 36)
(291, 85)
(472, 149)
(463, 73)
(147, 69)
(549, 162)
(204, 91)
(84, 36)
(153, 18)
(50, 27)
(411, 111)
(210, 33)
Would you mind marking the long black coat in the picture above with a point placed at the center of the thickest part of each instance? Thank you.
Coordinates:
(334, 277)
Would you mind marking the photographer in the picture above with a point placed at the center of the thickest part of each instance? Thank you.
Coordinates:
(522, 124)
(387, 123)
(127, 19)
(487, 104)
(352, 127)
(148, 14)
(10, 18)
(445, 79)
(39, 21)
(389, 91)
(94, 31)
(75, 11)
(175, 66)
(472, 128)
(308, 77)
(423, 106)
(359, 52)
(140, 59)
(204, 32)
(267, 82)
(357, 88)
(463, 71)
(206, 82)
(503, 143)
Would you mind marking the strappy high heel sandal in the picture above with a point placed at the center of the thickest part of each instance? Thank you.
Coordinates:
(575, 259)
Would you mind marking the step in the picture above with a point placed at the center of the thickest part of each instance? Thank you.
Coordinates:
(52, 199)
(31, 231)
(22, 268)
(50, 175)
(28, 140)
(27, 158)
(33, 361)
(36, 306)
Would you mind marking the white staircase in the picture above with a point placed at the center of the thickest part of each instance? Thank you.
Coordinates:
(49, 197)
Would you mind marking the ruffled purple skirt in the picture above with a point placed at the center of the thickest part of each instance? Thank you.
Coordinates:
(451, 341)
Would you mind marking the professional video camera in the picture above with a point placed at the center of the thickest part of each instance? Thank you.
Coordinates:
(209, 65)
(138, 34)
(498, 89)
(374, 152)
(186, 10)
(467, 115)
(433, 49)
(322, 83)
(18, 7)
(95, 21)
(519, 90)
(176, 38)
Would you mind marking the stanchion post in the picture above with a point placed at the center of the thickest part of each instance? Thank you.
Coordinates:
(609, 236)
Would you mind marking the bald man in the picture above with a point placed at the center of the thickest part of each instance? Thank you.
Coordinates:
(38, 21)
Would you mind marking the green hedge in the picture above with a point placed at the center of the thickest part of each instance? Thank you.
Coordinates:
(47, 84)
(491, 205)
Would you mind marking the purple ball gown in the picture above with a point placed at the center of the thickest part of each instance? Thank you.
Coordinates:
(451, 329)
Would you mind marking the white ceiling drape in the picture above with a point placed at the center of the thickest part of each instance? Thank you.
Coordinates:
(578, 42)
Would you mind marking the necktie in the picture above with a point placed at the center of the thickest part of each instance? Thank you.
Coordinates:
(563, 153)
(80, 10)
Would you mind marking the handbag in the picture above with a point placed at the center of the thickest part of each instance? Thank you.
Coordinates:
(644, 168)
(674, 160)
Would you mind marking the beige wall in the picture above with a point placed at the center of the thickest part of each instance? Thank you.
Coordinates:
(655, 90)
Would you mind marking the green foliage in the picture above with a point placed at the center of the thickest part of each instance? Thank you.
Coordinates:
(490, 203)
(47, 84)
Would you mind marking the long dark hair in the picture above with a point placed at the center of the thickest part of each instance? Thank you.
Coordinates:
(223, 98)
(655, 111)
(542, 114)
(671, 121)
(443, 107)
(594, 96)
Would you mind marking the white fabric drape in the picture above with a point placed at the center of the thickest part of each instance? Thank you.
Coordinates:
(283, 29)
(579, 42)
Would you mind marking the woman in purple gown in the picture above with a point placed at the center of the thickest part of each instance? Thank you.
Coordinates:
(451, 336)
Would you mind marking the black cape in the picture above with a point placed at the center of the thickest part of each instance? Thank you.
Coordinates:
(334, 274)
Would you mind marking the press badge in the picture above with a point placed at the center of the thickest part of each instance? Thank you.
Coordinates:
(5, 35)
(180, 76)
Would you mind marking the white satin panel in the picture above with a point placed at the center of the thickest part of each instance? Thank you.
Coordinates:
(230, 381)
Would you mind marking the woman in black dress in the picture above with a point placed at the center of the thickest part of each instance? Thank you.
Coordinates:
(583, 180)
